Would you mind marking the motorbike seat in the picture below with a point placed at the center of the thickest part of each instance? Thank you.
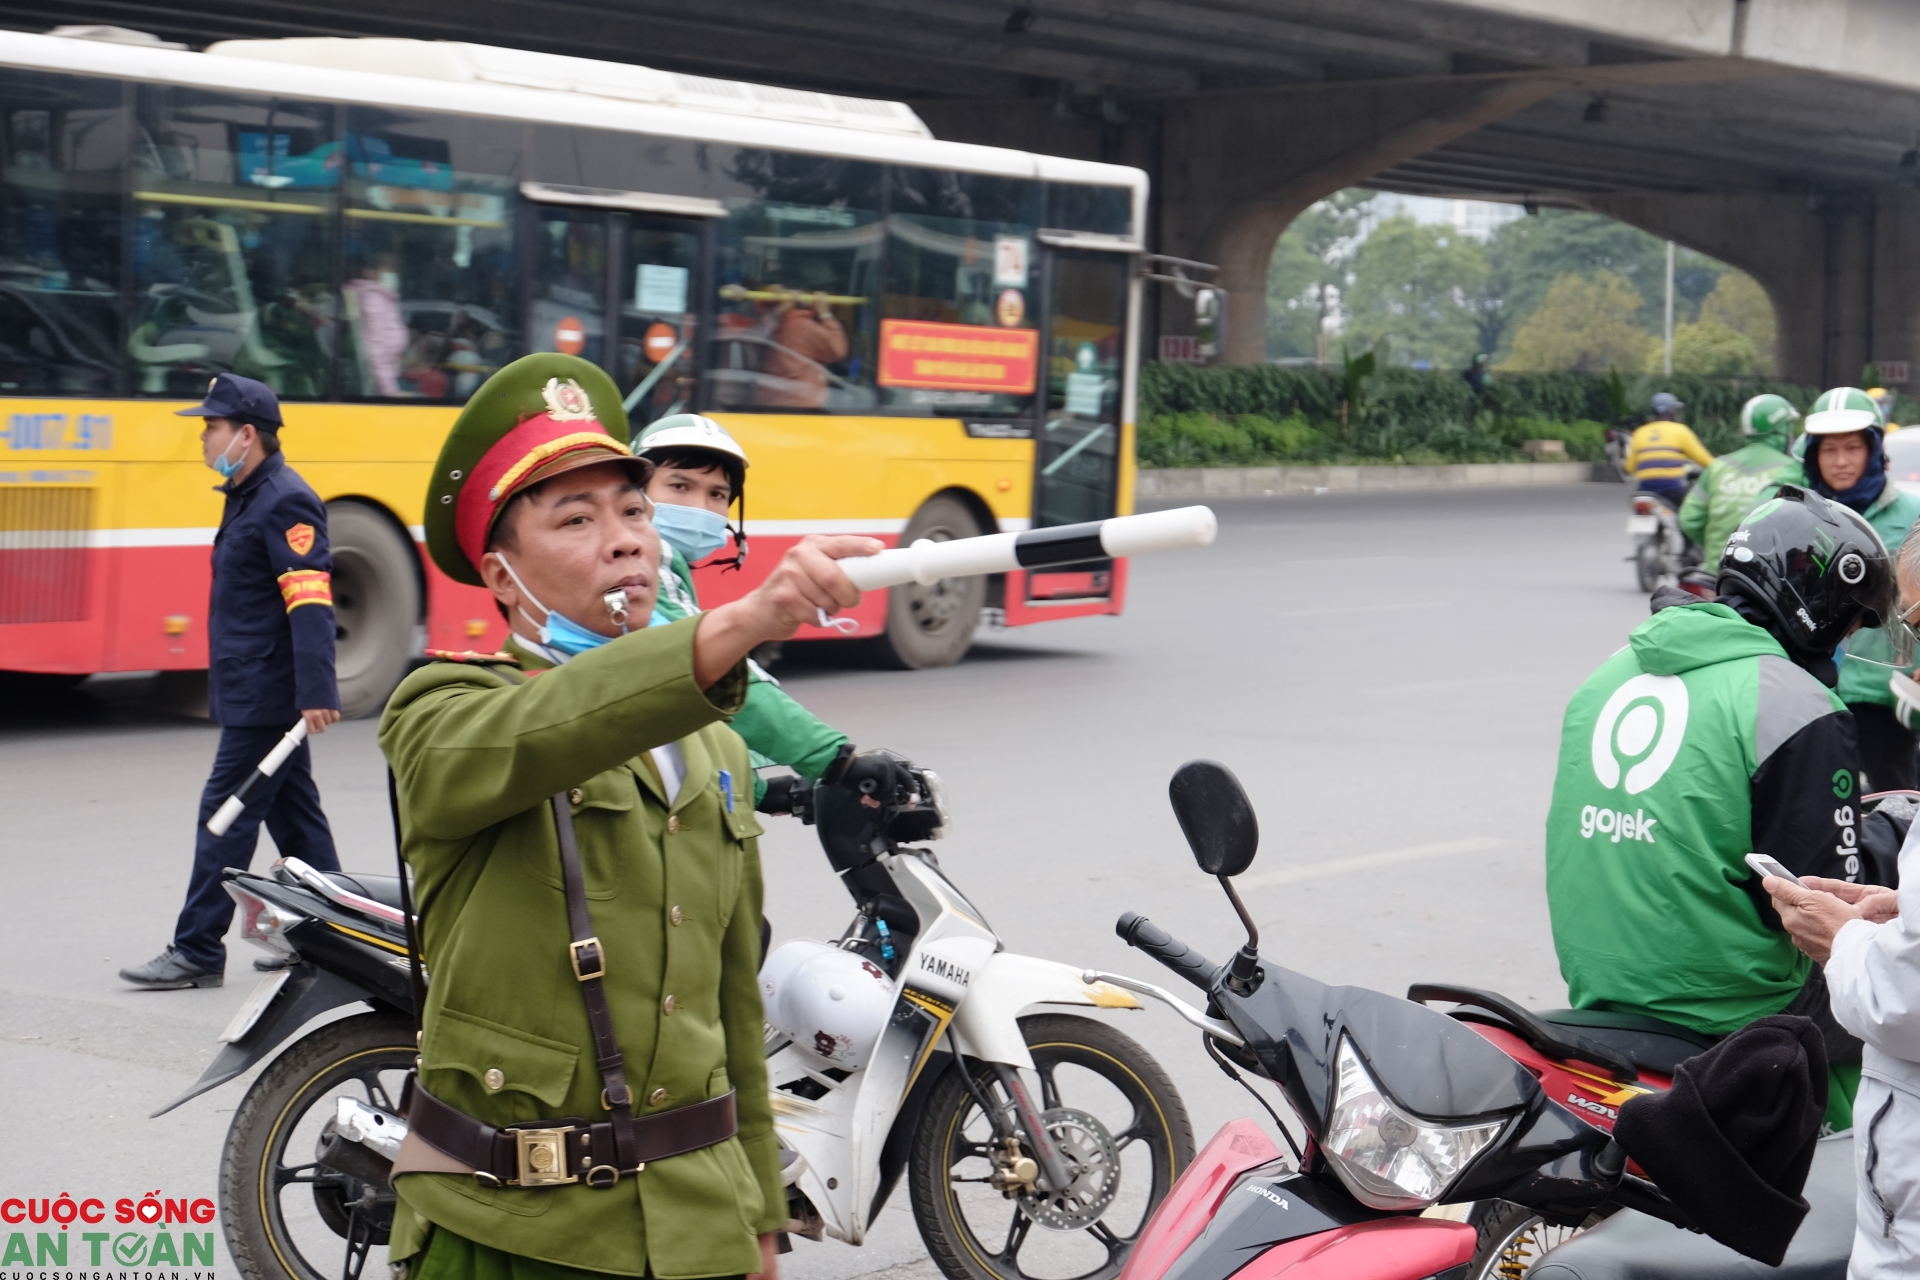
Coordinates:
(382, 889)
(1648, 1042)
(1633, 1246)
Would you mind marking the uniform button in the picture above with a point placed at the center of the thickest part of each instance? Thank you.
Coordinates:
(673, 822)
(657, 1097)
(496, 1079)
(668, 1004)
(676, 915)
(576, 795)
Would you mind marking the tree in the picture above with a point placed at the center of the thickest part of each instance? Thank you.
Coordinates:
(1528, 255)
(1408, 290)
(1582, 325)
(1306, 262)
(1706, 347)
(1739, 303)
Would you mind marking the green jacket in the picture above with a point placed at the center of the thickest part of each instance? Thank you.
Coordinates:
(675, 892)
(778, 730)
(1696, 744)
(1891, 515)
(1735, 484)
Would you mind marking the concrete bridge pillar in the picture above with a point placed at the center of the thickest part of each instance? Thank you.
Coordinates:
(1842, 269)
(1232, 169)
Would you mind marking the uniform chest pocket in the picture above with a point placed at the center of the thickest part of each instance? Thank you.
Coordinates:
(604, 824)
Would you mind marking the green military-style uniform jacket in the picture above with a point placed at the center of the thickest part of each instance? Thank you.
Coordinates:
(674, 890)
(778, 730)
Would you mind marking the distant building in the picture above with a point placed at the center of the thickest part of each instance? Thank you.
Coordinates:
(1476, 218)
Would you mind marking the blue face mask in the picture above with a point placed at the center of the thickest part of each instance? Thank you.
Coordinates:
(559, 631)
(227, 467)
(694, 532)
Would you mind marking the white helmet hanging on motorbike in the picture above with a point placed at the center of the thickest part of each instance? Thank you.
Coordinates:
(833, 1003)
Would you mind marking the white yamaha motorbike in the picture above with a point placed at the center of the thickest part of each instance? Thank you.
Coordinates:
(1034, 1143)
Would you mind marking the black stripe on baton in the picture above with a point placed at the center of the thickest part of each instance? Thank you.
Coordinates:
(1060, 544)
(246, 788)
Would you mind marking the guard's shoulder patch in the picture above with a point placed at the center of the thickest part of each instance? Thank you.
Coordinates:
(472, 655)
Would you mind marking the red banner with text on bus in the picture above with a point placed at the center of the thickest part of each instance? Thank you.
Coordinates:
(957, 357)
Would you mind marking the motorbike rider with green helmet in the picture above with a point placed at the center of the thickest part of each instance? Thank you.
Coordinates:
(1738, 482)
(1713, 733)
(699, 477)
(1846, 461)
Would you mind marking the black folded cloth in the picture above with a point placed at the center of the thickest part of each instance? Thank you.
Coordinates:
(1731, 1143)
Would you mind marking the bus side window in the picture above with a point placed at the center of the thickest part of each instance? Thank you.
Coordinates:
(60, 228)
(427, 296)
(962, 275)
(232, 202)
(799, 269)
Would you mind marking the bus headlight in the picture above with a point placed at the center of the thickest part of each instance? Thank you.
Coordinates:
(1387, 1158)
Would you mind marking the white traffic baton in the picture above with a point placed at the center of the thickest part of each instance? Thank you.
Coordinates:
(926, 561)
(231, 810)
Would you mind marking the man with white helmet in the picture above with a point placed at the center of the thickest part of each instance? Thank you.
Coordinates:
(699, 476)
(1845, 461)
(1738, 482)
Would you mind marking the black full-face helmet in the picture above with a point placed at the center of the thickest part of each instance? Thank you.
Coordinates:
(1815, 566)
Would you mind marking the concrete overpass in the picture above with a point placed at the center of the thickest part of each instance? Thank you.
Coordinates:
(1778, 135)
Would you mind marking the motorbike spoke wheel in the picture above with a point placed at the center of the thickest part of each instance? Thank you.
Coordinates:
(1513, 1240)
(1121, 1127)
(287, 1214)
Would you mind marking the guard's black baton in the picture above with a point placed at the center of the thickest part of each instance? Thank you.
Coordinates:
(230, 811)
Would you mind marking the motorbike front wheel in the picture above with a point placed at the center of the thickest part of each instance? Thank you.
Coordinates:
(1513, 1239)
(289, 1214)
(1120, 1125)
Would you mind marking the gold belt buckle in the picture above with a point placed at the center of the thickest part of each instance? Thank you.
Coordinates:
(542, 1157)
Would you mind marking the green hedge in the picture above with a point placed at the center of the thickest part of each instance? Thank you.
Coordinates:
(1266, 414)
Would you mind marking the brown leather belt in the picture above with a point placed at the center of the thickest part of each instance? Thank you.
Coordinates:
(555, 1153)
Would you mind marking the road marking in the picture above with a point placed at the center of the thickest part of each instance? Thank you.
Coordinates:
(1366, 861)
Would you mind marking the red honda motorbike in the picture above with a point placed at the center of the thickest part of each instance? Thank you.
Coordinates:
(1452, 1146)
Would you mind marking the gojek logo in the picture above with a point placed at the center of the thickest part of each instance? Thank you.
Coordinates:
(1640, 728)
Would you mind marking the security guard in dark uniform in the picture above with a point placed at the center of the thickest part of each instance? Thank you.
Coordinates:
(270, 639)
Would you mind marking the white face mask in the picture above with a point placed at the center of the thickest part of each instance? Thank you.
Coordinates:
(561, 632)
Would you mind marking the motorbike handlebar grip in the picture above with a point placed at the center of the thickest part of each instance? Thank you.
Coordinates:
(1137, 931)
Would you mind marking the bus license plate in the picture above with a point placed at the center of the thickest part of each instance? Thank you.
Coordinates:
(1637, 525)
(249, 1013)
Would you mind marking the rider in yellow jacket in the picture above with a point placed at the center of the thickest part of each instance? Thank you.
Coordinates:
(1659, 452)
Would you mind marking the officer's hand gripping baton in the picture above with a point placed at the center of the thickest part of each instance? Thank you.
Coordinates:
(926, 561)
(230, 811)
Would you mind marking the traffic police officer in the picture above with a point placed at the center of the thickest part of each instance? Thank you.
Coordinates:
(578, 819)
(270, 650)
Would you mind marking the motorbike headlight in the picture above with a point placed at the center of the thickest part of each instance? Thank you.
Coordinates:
(261, 922)
(1387, 1158)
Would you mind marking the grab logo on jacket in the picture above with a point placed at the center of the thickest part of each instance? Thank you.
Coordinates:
(1639, 732)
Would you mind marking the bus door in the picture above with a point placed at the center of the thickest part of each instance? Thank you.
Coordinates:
(1077, 443)
(620, 278)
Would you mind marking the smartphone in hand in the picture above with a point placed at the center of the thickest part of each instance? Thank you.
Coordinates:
(1766, 866)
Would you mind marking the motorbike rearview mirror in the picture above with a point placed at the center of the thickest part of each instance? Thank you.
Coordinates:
(1217, 819)
(1215, 816)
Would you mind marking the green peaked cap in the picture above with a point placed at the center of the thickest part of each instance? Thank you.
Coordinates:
(503, 402)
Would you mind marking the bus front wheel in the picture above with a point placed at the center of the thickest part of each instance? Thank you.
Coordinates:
(933, 626)
(376, 605)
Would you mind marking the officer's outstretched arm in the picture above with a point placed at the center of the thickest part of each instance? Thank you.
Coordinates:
(805, 582)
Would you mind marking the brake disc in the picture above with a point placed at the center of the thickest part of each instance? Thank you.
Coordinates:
(1093, 1160)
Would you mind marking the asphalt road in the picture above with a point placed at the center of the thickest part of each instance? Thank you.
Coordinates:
(1385, 673)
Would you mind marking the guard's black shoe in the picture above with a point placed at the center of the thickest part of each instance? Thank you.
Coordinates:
(273, 963)
(171, 971)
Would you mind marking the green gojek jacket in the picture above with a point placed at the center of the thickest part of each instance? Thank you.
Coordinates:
(673, 886)
(1735, 484)
(1892, 515)
(1696, 744)
(777, 729)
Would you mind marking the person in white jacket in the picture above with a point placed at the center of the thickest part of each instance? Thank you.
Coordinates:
(1867, 939)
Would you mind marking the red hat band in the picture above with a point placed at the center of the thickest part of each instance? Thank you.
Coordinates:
(523, 455)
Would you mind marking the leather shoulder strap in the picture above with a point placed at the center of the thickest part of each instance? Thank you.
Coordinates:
(589, 962)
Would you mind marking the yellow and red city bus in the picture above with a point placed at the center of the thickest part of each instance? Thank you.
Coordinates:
(911, 338)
